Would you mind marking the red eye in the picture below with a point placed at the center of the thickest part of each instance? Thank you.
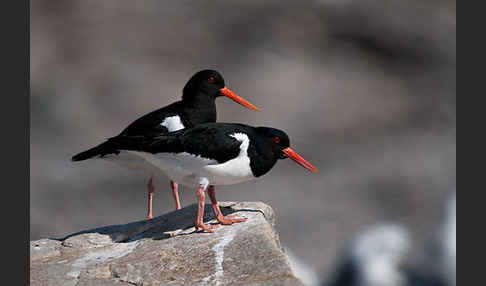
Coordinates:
(211, 79)
(276, 140)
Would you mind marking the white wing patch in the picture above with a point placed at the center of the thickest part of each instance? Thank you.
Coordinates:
(173, 123)
(139, 161)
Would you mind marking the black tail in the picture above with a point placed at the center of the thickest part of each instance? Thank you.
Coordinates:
(98, 151)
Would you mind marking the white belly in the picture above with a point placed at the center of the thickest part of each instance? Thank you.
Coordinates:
(135, 161)
(191, 170)
(132, 161)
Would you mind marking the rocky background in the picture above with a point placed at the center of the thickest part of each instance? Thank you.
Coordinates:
(365, 89)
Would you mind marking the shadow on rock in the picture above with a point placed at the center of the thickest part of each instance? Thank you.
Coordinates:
(161, 227)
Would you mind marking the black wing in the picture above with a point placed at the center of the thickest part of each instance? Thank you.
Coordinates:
(208, 140)
(113, 146)
(149, 124)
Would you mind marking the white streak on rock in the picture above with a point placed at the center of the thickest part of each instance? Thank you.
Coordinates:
(219, 256)
(99, 257)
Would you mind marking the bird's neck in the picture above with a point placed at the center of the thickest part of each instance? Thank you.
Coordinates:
(199, 109)
(198, 100)
(261, 162)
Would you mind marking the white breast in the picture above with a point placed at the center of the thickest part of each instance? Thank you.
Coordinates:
(172, 123)
(235, 170)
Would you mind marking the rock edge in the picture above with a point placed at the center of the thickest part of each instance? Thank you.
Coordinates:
(167, 251)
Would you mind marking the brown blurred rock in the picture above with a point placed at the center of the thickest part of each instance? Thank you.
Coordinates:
(167, 251)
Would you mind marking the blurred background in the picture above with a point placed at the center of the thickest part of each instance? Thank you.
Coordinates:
(366, 90)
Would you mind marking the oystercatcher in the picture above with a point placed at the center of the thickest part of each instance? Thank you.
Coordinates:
(206, 155)
(197, 106)
(374, 258)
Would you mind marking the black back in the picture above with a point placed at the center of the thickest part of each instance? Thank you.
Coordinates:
(150, 124)
(208, 140)
(215, 141)
(197, 106)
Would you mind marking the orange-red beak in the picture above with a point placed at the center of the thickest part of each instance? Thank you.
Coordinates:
(299, 160)
(228, 93)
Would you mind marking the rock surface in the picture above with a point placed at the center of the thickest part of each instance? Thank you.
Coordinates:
(167, 251)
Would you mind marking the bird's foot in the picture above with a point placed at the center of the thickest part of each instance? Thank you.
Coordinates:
(229, 220)
(149, 217)
(205, 227)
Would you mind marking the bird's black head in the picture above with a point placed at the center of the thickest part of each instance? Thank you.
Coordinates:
(280, 143)
(207, 82)
(276, 138)
(206, 85)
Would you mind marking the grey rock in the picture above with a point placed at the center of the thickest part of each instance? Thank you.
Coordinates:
(167, 251)
(87, 240)
(44, 248)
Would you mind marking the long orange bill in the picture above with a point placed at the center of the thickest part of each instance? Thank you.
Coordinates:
(228, 93)
(299, 160)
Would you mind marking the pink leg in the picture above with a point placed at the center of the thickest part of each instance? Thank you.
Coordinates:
(217, 211)
(200, 212)
(175, 194)
(150, 187)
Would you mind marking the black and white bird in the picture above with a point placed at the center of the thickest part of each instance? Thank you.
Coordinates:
(374, 258)
(197, 106)
(206, 155)
(378, 256)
